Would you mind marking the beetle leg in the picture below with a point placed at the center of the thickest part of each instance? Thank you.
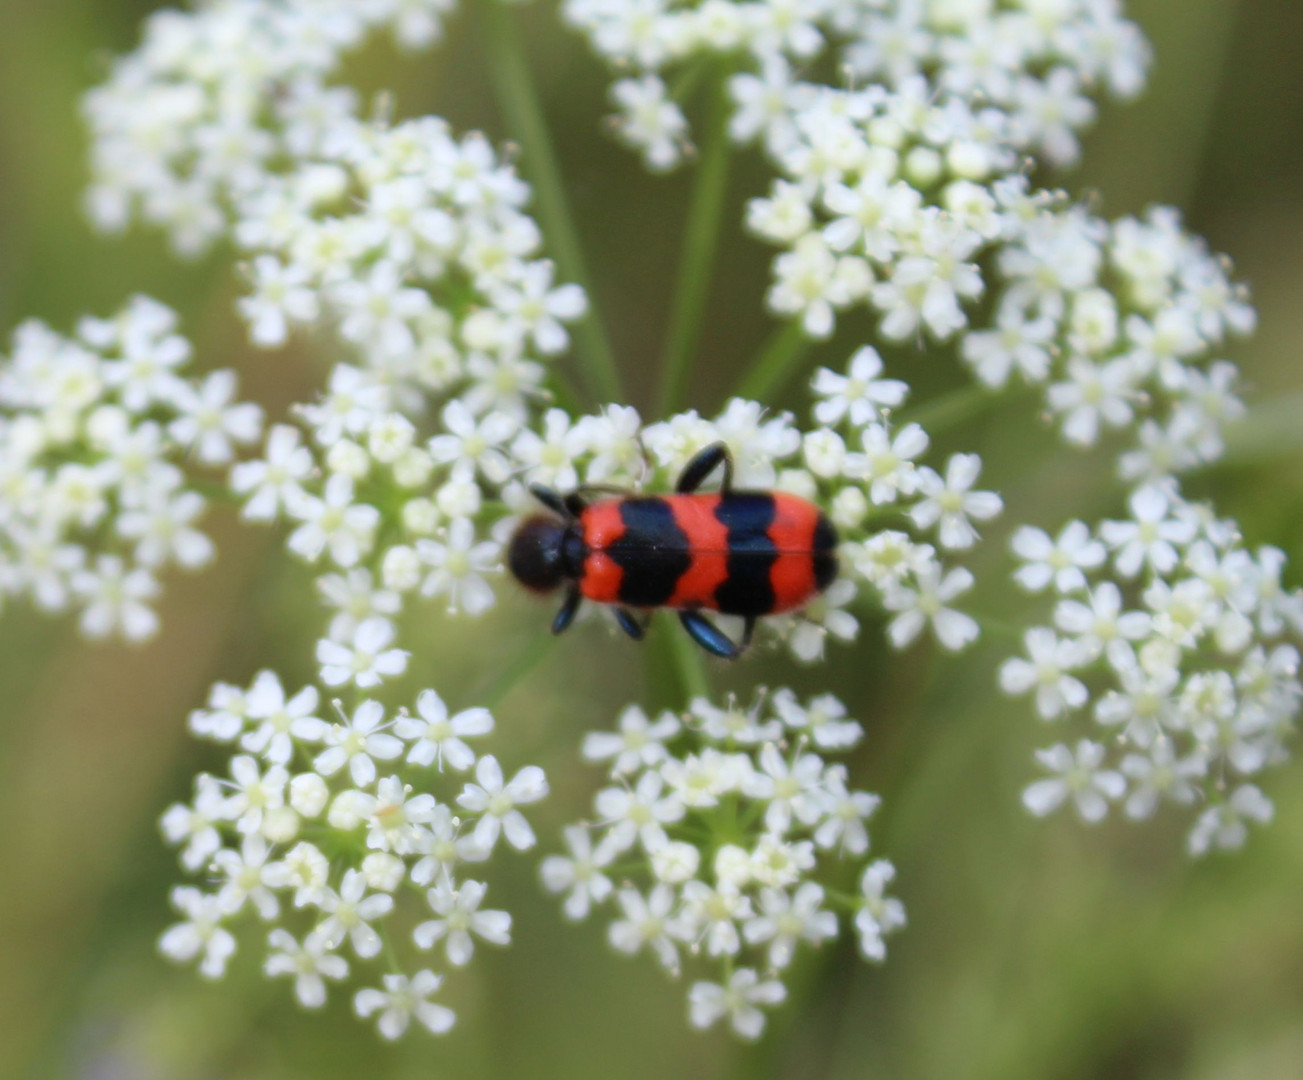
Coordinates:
(629, 624)
(709, 636)
(705, 463)
(552, 501)
(566, 615)
(748, 628)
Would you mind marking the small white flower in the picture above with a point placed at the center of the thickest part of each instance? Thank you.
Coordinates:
(640, 742)
(1151, 537)
(457, 566)
(437, 738)
(161, 528)
(356, 743)
(881, 914)
(536, 310)
(823, 719)
(274, 483)
(780, 863)
(785, 920)
(349, 913)
(638, 814)
(927, 604)
(715, 912)
(1226, 826)
(247, 878)
(732, 723)
(116, 600)
(201, 933)
(845, 813)
(579, 874)
(1094, 395)
(1062, 561)
(675, 862)
(310, 964)
(394, 816)
(377, 312)
(1101, 626)
(367, 660)
(255, 792)
(496, 802)
(196, 825)
(887, 463)
(949, 504)
(739, 1000)
(400, 1000)
(550, 458)
(860, 395)
(647, 921)
(282, 294)
(333, 522)
(1047, 672)
(650, 121)
(790, 790)
(468, 439)
(459, 918)
(1160, 775)
(304, 869)
(281, 721)
(1078, 774)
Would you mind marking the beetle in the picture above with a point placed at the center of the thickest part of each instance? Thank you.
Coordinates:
(747, 553)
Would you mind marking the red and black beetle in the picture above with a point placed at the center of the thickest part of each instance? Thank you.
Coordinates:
(747, 553)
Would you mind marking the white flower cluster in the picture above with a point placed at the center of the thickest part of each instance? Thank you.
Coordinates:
(1117, 322)
(215, 100)
(94, 431)
(993, 78)
(1169, 632)
(726, 834)
(330, 835)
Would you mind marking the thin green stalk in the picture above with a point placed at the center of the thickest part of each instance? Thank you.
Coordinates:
(949, 409)
(689, 665)
(776, 364)
(496, 691)
(519, 102)
(700, 244)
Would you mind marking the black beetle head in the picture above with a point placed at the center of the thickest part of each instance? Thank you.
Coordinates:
(535, 556)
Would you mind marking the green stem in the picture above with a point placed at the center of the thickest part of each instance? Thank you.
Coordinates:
(700, 243)
(949, 409)
(519, 102)
(496, 691)
(686, 658)
(776, 364)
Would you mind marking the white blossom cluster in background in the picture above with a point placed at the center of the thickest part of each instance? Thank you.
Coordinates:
(94, 433)
(1168, 636)
(344, 841)
(1118, 324)
(992, 78)
(725, 836)
(216, 100)
(894, 196)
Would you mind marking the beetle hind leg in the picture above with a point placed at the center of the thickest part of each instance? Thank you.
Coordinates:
(630, 625)
(705, 463)
(709, 636)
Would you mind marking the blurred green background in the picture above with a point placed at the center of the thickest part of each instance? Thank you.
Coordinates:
(1034, 949)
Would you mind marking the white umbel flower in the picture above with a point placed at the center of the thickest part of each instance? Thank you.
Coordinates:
(401, 999)
(740, 1000)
